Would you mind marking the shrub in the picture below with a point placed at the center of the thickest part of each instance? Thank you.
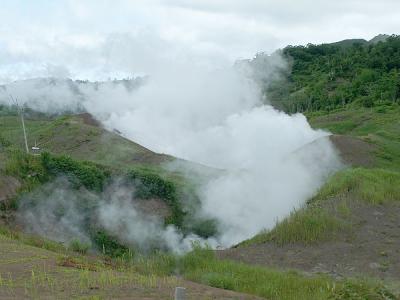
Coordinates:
(4, 142)
(78, 246)
(109, 245)
(149, 185)
(204, 228)
(361, 290)
(88, 174)
(26, 167)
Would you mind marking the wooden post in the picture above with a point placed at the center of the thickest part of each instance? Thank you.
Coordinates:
(21, 113)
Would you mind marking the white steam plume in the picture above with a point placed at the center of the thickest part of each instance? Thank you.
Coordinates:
(217, 118)
(62, 213)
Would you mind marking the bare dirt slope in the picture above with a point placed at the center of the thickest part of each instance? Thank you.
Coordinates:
(28, 272)
(370, 247)
(354, 151)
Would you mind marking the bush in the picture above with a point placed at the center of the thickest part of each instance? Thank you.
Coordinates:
(367, 101)
(204, 228)
(109, 245)
(78, 246)
(26, 167)
(149, 185)
(353, 290)
(88, 174)
(153, 185)
(4, 142)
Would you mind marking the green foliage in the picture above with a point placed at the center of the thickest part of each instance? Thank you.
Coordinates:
(27, 168)
(152, 185)
(4, 143)
(202, 227)
(109, 245)
(379, 126)
(328, 76)
(375, 186)
(159, 263)
(308, 225)
(202, 266)
(78, 246)
(32, 240)
(88, 174)
(362, 290)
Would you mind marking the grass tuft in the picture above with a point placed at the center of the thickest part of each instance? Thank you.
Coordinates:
(375, 186)
(307, 226)
(202, 266)
(79, 247)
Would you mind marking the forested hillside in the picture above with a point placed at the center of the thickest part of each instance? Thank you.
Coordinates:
(329, 76)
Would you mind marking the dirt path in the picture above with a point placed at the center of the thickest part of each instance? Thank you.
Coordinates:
(28, 272)
(371, 247)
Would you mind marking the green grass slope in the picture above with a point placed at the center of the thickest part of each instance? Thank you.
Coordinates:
(80, 137)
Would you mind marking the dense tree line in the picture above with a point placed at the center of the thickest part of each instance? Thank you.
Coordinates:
(328, 76)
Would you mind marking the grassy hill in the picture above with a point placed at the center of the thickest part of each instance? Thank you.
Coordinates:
(350, 227)
(342, 244)
(77, 148)
(80, 149)
(330, 76)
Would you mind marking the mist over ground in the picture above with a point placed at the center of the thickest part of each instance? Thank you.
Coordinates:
(272, 162)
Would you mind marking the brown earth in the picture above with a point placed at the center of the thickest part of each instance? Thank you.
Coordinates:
(33, 273)
(354, 151)
(8, 187)
(88, 119)
(155, 207)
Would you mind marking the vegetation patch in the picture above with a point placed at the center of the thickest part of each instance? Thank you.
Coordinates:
(78, 246)
(362, 290)
(314, 223)
(152, 185)
(307, 226)
(27, 168)
(202, 266)
(379, 129)
(109, 245)
(375, 186)
(330, 76)
(32, 240)
(92, 176)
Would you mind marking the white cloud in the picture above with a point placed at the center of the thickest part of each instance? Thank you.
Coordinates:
(98, 35)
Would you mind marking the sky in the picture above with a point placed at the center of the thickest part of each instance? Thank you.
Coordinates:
(100, 39)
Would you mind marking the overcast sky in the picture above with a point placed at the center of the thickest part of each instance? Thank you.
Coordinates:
(97, 39)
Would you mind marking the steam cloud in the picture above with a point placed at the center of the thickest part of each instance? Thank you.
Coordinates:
(271, 162)
(64, 214)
